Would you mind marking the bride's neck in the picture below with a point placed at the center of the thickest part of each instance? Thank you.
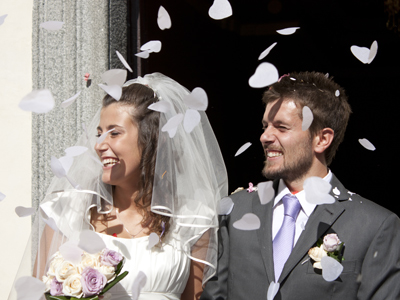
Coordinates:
(124, 198)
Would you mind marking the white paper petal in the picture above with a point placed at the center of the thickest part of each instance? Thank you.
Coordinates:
(66, 162)
(38, 101)
(191, 120)
(172, 124)
(91, 242)
(272, 290)
(71, 252)
(266, 192)
(248, 222)
(331, 268)
(163, 19)
(71, 100)
(287, 31)
(172, 132)
(151, 46)
(225, 206)
(308, 117)
(154, 239)
(114, 91)
(96, 159)
(266, 74)
(336, 191)
(367, 144)
(2, 18)
(144, 54)
(114, 77)
(266, 51)
(29, 288)
(337, 93)
(220, 9)
(373, 51)
(57, 167)
(161, 106)
(103, 136)
(317, 191)
(22, 211)
(124, 62)
(138, 284)
(243, 148)
(52, 25)
(2, 196)
(75, 150)
(197, 99)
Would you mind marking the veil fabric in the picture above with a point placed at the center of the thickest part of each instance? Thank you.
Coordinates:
(190, 179)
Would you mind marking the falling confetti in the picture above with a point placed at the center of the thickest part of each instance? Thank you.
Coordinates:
(367, 144)
(266, 51)
(308, 118)
(248, 222)
(266, 192)
(103, 136)
(225, 206)
(114, 77)
(220, 9)
(151, 46)
(71, 100)
(191, 120)
(38, 101)
(272, 290)
(2, 196)
(91, 242)
(337, 93)
(163, 19)
(114, 91)
(161, 106)
(124, 62)
(22, 211)
(2, 18)
(243, 148)
(144, 54)
(266, 74)
(154, 239)
(138, 284)
(197, 99)
(363, 54)
(172, 125)
(75, 150)
(287, 31)
(317, 191)
(336, 191)
(71, 252)
(331, 268)
(29, 288)
(52, 25)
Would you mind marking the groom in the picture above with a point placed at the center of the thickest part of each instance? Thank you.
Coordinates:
(251, 258)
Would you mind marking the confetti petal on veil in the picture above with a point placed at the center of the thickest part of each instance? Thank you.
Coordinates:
(197, 99)
(363, 54)
(29, 288)
(308, 117)
(71, 100)
(103, 136)
(57, 167)
(91, 242)
(52, 25)
(114, 77)
(317, 191)
(154, 239)
(71, 252)
(2, 18)
(66, 162)
(2, 196)
(220, 9)
(138, 284)
(163, 19)
(287, 31)
(272, 290)
(114, 91)
(266, 51)
(124, 62)
(22, 211)
(331, 268)
(225, 206)
(248, 222)
(243, 148)
(75, 150)
(367, 144)
(38, 101)
(151, 46)
(144, 54)
(266, 192)
(161, 106)
(266, 74)
(172, 124)
(191, 120)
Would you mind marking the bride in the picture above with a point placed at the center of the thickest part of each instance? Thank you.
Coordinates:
(156, 171)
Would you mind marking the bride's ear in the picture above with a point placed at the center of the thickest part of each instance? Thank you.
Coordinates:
(323, 139)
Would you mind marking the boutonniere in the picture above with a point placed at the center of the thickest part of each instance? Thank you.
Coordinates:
(251, 188)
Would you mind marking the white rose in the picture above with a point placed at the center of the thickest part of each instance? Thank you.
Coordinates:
(47, 281)
(107, 271)
(317, 253)
(89, 260)
(64, 270)
(317, 265)
(72, 286)
(54, 264)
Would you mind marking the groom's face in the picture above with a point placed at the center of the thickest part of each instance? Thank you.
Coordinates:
(288, 149)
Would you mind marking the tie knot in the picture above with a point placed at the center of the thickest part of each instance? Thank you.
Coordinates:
(291, 205)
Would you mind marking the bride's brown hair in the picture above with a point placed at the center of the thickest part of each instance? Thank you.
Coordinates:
(139, 97)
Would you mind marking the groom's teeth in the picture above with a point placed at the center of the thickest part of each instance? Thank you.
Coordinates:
(273, 154)
(109, 162)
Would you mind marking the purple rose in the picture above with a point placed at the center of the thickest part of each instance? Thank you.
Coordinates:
(56, 287)
(92, 281)
(110, 258)
(331, 242)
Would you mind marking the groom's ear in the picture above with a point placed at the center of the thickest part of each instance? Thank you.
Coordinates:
(323, 139)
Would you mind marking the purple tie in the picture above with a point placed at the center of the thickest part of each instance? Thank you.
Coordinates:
(283, 241)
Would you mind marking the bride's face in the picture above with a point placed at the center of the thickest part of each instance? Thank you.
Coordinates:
(119, 151)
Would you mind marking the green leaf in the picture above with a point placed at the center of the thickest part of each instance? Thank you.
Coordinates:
(114, 282)
(119, 266)
(50, 297)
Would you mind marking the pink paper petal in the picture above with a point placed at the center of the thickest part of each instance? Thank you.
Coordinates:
(161, 106)
(266, 51)
(38, 101)
(248, 222)
(24, 211)
(66, 162)
(308, 118)
(220, 9)
(191, 120)
(172, 124)
(124, 62)
(71, 100)
(163, 19)
(367, 144)
(287, 31)
(154, 239)
(138, 284)
(2, 18)
(144, 54)
(197, 99)
(103, 136)
(75, 150)
(225, 206)
(151, 46)
(266, 74)
(52, 25)
(243, 148)
(114, 77)
(114, 91)
(91, 242)
(29, 288)
(2, 196)
(266, 192)
(272, 290)
(331, 268)
(71, 252)
(57, 168)
(317, 191)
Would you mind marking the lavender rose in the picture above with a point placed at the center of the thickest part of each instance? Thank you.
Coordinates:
(92, 281)
(56, 287)
(331, 242)
(110, 258)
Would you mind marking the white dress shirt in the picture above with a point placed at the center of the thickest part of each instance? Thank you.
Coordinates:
(305, 211)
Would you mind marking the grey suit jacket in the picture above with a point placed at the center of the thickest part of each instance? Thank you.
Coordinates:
(371, 269)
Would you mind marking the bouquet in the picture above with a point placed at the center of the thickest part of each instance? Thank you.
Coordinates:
(93, 276)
